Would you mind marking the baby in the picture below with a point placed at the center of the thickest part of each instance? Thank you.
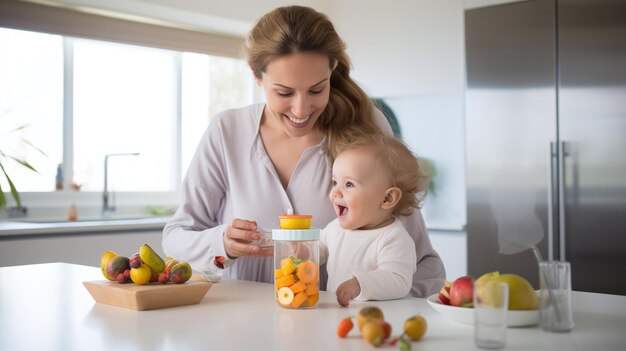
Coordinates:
(369, 254)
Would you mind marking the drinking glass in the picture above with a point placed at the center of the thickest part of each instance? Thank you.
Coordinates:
(555, 296)
(491, 304)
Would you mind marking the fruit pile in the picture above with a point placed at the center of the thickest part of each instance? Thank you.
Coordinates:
(145, 266)
(375, 330)
(296, 283)
(460, 293)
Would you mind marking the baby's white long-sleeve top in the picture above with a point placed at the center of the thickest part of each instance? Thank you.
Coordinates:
(231, 176)
(382, 260)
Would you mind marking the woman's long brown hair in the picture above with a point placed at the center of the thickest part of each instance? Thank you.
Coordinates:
(296, 29)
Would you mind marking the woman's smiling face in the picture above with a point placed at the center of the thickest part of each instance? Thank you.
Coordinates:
(358, 190)
(297, 88)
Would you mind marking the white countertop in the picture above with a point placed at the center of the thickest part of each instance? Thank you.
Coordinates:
(46, 307)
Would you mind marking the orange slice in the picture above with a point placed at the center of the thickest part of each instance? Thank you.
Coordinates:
(298, 299)
(311, 289)
(287, 280)
(286, 264)
(285, 296)
(307, 271)
(298, 286)
(312, 300)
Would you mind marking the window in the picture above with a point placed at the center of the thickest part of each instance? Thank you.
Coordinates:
(125, 100)
(31, 95)
(119, 98)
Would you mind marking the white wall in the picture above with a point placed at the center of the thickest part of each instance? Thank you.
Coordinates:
(404, 47)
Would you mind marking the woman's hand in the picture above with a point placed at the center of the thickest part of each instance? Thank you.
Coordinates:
(238, 238)
(347, 291)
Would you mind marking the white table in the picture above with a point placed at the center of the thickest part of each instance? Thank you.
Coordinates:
(46, 307)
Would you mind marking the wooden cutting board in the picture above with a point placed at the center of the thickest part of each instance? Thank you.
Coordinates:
(147, 297)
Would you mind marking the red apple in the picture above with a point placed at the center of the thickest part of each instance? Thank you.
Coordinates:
(444, 293)
(462, 292)
(386, 330)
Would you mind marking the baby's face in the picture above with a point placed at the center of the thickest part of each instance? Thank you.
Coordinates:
(358, 190)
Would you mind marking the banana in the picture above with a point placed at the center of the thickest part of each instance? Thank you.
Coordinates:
(151, 258)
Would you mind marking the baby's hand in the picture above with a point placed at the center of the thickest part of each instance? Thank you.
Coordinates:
(347, 291)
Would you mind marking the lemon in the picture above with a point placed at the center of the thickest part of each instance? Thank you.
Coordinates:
(141, 275)
(415, 327)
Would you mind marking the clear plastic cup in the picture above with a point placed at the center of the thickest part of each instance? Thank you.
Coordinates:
(296, 267)
(555, 296)
(491, 304)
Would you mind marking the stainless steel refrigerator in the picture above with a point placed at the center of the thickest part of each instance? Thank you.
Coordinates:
(546, 138)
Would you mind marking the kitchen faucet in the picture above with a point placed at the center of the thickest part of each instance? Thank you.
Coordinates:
(106, 206)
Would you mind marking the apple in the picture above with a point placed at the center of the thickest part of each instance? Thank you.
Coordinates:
(386, 330)
(462, 292)
(444, 293)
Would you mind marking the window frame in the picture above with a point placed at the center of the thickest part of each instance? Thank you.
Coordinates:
(72, 24)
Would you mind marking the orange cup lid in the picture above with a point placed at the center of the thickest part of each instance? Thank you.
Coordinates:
(286, 216)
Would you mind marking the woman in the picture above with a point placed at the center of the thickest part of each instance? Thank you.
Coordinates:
(254, 163)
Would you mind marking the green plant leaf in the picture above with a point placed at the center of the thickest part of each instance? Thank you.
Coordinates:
(3, 200)
(34, 147)
(14, 192)
(23, 163)
(16, 129)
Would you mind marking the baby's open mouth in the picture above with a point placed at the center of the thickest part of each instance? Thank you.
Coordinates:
(342, 210)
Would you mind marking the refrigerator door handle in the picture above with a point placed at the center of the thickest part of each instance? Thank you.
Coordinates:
(551, 154)
(561, 183)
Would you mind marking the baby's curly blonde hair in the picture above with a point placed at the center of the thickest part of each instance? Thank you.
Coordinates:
(401, 164)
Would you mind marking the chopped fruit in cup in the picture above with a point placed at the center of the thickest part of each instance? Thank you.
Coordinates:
(298, 300)
(287, 265)
(312, 289)
(285, 281)
(285, 296)
(311, 300)
(301, 283)
(307, 271)
(297, 287)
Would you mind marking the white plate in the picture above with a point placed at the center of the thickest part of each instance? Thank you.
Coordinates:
(466, 315)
